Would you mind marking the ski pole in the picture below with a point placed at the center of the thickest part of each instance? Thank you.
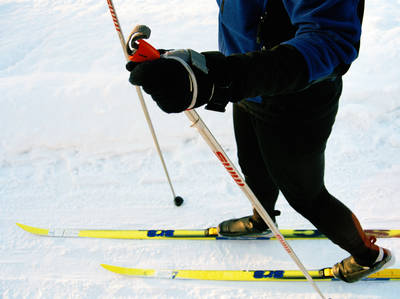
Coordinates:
(198, 123)
(177, 199)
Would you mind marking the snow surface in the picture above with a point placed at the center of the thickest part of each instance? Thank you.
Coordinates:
(75, 151)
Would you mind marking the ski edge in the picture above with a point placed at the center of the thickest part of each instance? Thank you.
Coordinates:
(324, 274)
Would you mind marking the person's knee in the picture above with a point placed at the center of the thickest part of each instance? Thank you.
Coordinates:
(309, 203)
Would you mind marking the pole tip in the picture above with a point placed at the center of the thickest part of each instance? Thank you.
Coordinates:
(178, 201)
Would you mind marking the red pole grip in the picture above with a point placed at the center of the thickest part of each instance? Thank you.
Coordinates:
(144, 52)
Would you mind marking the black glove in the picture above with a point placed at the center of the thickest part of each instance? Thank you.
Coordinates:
(170, 80)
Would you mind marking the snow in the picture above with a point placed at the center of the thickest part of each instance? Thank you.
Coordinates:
(75, 151)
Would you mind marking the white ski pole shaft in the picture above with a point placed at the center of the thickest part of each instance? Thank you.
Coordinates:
(140, 95)
(197, 122)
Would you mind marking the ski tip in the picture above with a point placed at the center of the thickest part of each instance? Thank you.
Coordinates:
(105, 266)
(34, 230)
(114, 269)
(130, 271)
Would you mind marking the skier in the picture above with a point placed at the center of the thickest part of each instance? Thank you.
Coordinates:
(281, 63)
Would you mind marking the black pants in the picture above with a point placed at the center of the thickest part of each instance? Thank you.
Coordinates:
(281, 145)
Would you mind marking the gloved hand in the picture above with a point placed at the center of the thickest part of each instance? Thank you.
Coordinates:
(171, 80)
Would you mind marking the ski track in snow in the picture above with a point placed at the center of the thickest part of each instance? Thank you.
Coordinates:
(75, 151)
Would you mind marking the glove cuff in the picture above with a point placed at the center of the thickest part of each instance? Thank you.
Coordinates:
(194, 63)
(220, 74)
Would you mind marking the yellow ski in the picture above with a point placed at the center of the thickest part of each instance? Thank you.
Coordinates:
(324, 274)
(196, 234)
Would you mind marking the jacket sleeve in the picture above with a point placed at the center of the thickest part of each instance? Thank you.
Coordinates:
(327, 34)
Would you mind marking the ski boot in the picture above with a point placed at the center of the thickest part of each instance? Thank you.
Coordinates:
(252, 225)
(349, 270)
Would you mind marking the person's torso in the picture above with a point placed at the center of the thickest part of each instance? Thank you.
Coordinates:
(246, 26)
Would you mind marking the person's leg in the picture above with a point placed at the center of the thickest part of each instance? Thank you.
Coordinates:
(293, 153)
(256, 177)
(301, 180)
(291, 133)
(251, 161)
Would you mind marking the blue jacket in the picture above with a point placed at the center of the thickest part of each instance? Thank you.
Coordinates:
(327, 31)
